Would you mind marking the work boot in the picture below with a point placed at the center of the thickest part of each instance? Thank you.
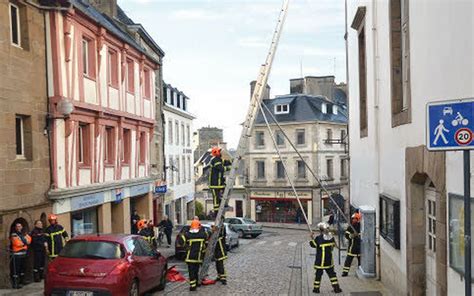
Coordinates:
(16, 283)
(41, 273)
(316, 290)
(337, 289)
(36, 276)
(192, 288)
(23, 281)
(344, 274)
(224, 282)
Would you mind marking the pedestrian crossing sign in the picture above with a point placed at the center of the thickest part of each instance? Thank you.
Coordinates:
(450, 125)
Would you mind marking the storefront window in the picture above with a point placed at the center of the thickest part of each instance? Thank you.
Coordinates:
(456, 233)
(84, 222)
(279, 211)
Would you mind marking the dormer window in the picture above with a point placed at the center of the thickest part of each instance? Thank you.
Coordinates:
(324, 108)
(334, 109)
(282, 109)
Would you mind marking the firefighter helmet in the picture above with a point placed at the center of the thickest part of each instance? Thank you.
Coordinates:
(195, 224)
(356, 217)
(52, 217)
(141, 224)
(323, 226)
(216, 151)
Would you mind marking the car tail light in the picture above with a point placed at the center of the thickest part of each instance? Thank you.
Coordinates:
(120, 268)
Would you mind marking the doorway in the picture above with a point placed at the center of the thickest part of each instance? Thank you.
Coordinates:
(239, 209)
(430, 245)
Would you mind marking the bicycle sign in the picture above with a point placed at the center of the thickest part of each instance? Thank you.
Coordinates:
(450, 125)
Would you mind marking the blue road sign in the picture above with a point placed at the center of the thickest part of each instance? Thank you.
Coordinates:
(450, 125)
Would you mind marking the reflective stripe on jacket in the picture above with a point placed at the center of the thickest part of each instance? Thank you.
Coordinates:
(195, 243)
(19, 243)
(216, 173)
(55, 235)
(324, 248)
(354, 242)
(220, 252)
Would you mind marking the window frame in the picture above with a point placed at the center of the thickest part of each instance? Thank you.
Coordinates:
(176, 128)
(170, 132)
(88, 66)
(344, 168)
(130, 75)
(109, 145)
(279, 138)
(301, 165)
(330, 168)
(112, 68)
(18, 24)
(261, 137)
(188, 135)
(329, 136)
(280, 109)
(183, 135)
(126, 146)
(142, 149)
(147, 83)
(393, 240)
(280, 168)
(298, 132)
(260, 164)
(83, 150)
(22, 137)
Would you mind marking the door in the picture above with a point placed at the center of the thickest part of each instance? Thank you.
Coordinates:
(238, 208)
(430, 245)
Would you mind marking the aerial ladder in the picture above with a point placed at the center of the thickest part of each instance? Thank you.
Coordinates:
(256, 105)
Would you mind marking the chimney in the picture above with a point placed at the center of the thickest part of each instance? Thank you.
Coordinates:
(297, 86)
(266, 94)
(319, 86)
(108, 7)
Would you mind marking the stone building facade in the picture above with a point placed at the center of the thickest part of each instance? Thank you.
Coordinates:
(206, 137)
(24, 152)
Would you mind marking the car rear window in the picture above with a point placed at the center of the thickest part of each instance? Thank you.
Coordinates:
(92, 250)
(248, 221)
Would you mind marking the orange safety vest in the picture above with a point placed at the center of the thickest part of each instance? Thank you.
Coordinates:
(17, 245)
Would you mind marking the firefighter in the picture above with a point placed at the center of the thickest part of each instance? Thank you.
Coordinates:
(19, 247)
(353, 251)
(144, 230)
(56, 237)
(194, 241)
(216, 176)
(324, 244)
(39, 252)
(220, 254)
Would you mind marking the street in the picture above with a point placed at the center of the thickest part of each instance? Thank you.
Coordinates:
(279, 262)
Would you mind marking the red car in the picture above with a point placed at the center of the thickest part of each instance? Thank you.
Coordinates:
(93, 265)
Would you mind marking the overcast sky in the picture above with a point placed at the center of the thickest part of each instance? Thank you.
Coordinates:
(214, 48)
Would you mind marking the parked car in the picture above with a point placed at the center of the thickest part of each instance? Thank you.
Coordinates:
(244, 226)
(106, 265)
(179, 250)
(231, 237)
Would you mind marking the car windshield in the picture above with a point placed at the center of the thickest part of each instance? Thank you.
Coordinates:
(248, 221)
(92, 250)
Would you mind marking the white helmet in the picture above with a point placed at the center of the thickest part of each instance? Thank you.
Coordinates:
(323, 226)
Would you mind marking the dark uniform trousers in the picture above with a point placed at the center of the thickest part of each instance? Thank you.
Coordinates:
(193, 269)
(324, 261)
(220, 256)
(18, 265)
(319, 273)
(217, 197)
(38, 262)
(353, 250)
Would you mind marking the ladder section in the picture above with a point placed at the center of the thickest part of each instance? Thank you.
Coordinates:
(252, 113)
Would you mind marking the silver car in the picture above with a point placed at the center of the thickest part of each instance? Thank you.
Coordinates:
(231, 237)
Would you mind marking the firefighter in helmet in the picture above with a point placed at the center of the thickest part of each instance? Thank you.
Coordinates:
(353, 251)
(324, 244)
(218, 167)
(194, 241)
(56, 237)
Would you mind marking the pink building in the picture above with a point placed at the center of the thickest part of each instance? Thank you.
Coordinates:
(105, 66)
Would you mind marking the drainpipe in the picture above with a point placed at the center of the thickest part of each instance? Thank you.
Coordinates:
(346, 38)
(377, 131)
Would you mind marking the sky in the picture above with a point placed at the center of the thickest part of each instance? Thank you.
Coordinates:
(214, 48)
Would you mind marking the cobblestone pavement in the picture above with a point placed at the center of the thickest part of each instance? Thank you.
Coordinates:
(279, 262)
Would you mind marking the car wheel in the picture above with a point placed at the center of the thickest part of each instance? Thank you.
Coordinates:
(162, 284)
(134, 289)
(241, 233)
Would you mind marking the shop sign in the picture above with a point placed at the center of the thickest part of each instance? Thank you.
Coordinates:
(281, 194)
(301, 194)
(263, 194)
(161, 189)
(139, 189)
(87, 201)
(118, 194)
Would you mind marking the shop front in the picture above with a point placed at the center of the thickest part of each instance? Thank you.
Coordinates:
(84, 222)
(280, 206)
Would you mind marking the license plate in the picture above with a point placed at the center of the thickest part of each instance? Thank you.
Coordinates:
(80, 293)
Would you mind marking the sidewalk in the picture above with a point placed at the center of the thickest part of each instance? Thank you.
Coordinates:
(302, 278)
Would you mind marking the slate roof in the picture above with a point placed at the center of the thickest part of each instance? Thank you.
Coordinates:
(304, 108)
(111, 25)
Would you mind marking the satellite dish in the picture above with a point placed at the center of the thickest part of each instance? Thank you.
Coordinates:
(65, 107)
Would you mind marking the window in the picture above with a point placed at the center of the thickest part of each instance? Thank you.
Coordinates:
(343, 136)
(178, 171)
(282, 109)
(260, 169)
(324, 108)
(183, 168)
(83, 144)
(280, 170)
(88, 58)
(170, 132)
(183, 135)
(400, 62)
(130, 76)
(175, 97)
(431, 223)
(126, 145)
(171, 171)
(330, 168)
(390, 220)
(259, 139)
(142, 149)
(343, 168)
(301, 169)
(20, 137)
(147, 83)
(176, 129)
(168, 95)
(329, 136)
(300, 137)
(334, 109)
(279, 138)
(109, 148)
(178, 101)
(15, 29)
(112, 69)
(171, 97)
(188, 136)
(184, 103)
(190, 168)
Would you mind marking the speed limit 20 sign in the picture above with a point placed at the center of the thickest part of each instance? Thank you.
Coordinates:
(463, 136)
